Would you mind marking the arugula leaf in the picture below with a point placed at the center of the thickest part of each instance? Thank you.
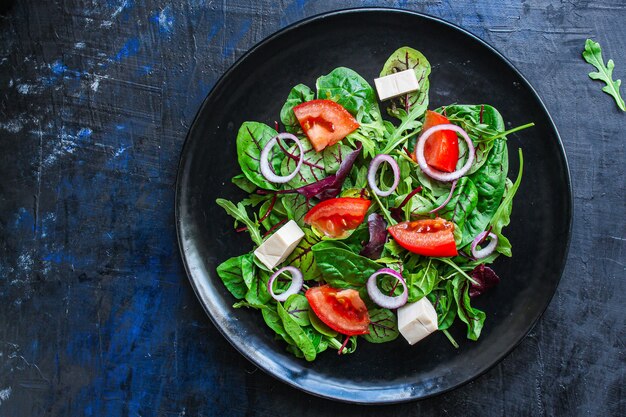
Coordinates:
(342, 268)
(400, 60)
(593, 55)
(302, 256)
(240, 215)
(251, 139)
(232, 271)
(298, 95)
(298, 335)
(298, 307)
(383, 326)
(422, 282)
(353, 92)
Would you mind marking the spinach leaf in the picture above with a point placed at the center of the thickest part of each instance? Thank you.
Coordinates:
(244, 183)
(422, 282)
(445, 305)
(593, 55)
(402, 59)
(257, 294)
(303, 258)
(251, 140)
(298, 335)
(342, 268)
(320, 343)
(232, 272)
(312, 169)
(350, 90)
(296, 206)
(334, 156)
(473, 317)
(272, 319)
(320, 326)
(462, 203)
(502, 216)
(383, 326)
(298, 95)
(298, 307)
(490, 183)
(241, 216)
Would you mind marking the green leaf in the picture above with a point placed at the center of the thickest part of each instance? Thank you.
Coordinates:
(251, 140)
(312, 169)
(502, 216)
(473, 317)
(296, 206)
(298, 307)
(232, 272)
(241, 216)
(303, 258)
(350, 90)
(342, 268)
(422, 282)
(462, 203)
(402, 59)
(383, 326)
(490, 184)
(244, 183)
(334, 155)
(298, 335)
(272, 319)
(298, 95)
(445, 305)
(320, 326)
(336, 343)
(593, 55)
(257, 293)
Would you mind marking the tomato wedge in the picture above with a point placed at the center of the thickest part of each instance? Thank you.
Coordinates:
(341, 310)
(441, 149)
(324, 122)
(429, 237)
(335, 217)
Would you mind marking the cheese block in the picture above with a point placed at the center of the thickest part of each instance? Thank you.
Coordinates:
(417, 320)
(393, 85)
(279, 246)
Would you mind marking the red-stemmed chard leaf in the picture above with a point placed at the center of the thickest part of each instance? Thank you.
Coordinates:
(378, 236)
(485, 278)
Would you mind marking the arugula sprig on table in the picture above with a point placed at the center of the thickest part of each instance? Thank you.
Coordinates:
(593, 55)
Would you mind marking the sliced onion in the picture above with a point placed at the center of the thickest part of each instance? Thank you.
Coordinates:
(447, 200)
(371, 174)
(487, 250)
(267, 171)
(296, 283)
(434, 173)
(381, 299)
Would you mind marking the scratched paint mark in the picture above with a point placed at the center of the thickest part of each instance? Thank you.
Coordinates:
(5, 394)
(26, 89)
(66, 145)
(216, 26)
(130, 48)
(293, 12)
(229, 47)
(80, 45)
(164, 20)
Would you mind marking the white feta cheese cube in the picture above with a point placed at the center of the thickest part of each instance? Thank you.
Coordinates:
(396, 84)
(280, 245)
(417, 320)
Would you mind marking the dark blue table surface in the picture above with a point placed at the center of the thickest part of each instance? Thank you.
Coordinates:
(97, 317)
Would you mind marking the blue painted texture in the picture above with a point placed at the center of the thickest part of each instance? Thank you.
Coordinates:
(96, 315)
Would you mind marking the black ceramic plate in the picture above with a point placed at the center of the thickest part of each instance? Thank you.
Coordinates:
(464, 70)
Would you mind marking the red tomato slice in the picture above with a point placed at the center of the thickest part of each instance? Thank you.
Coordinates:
(335, 217)
(341, 310)
(324, 122)
(429, 237)
(441, 149)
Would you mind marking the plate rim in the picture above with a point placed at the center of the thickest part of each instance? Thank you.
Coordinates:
(319, 17)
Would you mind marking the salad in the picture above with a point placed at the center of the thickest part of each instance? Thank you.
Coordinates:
(370, 227)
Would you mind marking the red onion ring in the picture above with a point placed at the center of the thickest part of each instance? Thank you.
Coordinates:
(381, 299)
(267, 171)
(447, 200)
(487, 250)
(297, 281)
(434, 173)
(371, 174)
